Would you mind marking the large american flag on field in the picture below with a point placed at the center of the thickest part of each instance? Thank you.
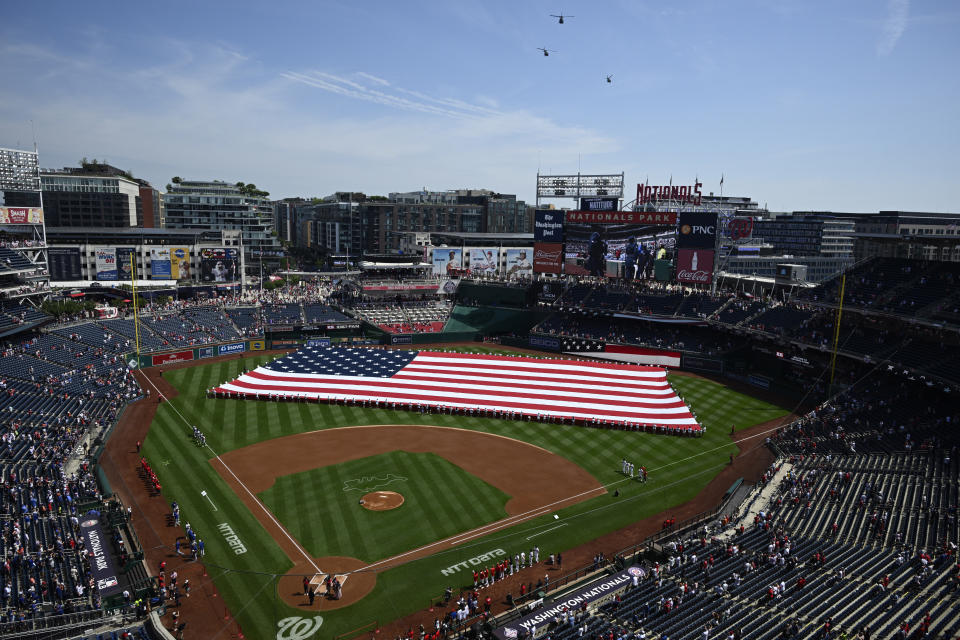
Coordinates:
(546, 388)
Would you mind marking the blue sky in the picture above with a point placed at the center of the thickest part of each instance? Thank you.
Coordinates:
(850, 106)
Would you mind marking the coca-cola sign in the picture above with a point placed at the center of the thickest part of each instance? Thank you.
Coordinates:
(695, 266)
(547, 257)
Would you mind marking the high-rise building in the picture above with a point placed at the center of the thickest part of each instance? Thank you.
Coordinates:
(217, 205)
(98, 195)
(353, 223)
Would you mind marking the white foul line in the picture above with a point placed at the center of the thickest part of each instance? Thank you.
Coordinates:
(546, 530)
(255, 499)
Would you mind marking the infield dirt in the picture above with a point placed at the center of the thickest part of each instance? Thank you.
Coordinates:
(207, 614)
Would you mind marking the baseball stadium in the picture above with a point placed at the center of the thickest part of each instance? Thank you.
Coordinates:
(646, 449)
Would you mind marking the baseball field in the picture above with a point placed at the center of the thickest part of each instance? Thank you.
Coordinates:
(276, 494)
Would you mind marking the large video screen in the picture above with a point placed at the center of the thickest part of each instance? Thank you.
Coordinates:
(607, 249)
(219, 264)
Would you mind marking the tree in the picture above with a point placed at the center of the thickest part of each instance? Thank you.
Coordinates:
(176, 179)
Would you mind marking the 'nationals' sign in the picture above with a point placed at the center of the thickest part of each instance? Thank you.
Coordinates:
(622, 217)
(656, 193)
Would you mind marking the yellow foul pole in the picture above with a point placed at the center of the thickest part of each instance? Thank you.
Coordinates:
(136, 319)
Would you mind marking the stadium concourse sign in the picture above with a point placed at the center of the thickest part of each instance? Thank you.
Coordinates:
(589, 596)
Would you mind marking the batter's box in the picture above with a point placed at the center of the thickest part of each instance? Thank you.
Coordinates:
(319, 578)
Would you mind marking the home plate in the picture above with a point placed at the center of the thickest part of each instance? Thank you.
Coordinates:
(318, 579)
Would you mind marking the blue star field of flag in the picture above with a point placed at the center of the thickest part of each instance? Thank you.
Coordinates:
(338, 361)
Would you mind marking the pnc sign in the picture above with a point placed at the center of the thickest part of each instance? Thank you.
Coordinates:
(696, 230)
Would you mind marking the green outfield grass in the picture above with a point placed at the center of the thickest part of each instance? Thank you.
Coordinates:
(321, 507)
(679, 468)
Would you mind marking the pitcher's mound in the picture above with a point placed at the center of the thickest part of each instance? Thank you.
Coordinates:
(381, 500)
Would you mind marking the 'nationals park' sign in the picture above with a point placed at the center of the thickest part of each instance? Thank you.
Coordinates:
(623, 217)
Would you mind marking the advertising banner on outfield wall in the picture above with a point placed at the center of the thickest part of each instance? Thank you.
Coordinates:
(711, 365)
(547, 257)
(447, 261)
(236, 347)
(588, 596)
(219, 264)
(180, 263)
(696, 230)
(318, 342)
(125, 257)
(160, 263)
(599, 204)
(176, 356)
(695, 266)
(544, 342)
(205, 352)
(97, 545)
(106, 261)
(547, 225)
(633, 354)
(484, 262)
(519, 263)
(257, 345)
(21, 215)
(404, 339)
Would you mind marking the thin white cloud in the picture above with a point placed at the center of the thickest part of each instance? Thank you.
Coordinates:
(422, 102)
(893, 26)
(373, 78)
(217, 113)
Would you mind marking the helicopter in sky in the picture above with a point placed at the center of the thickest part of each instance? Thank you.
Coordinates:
(610, 78)
(546, 52)
(560, 17)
